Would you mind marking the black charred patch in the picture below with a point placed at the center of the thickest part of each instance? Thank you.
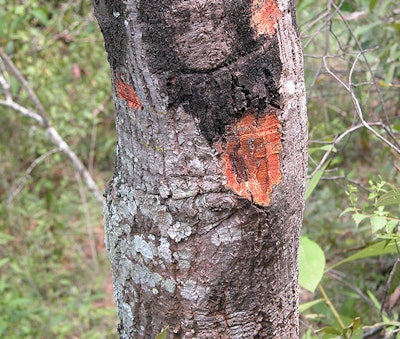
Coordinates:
(110, 16)
(158, 36)
(239, 14)
(246, 83)
(216, 99)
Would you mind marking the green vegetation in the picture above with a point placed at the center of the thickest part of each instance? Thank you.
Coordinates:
(54, 273)
(352, 69)
(54, 269)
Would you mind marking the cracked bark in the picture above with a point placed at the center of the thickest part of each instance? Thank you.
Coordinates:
(204, 211)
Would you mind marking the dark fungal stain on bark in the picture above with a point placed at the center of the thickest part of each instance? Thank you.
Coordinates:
(217, 86)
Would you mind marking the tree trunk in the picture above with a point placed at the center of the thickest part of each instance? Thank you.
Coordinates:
(204, 211)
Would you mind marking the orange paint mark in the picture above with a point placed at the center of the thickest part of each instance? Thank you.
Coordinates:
(265, 16)
(127, 93)
(252, 158)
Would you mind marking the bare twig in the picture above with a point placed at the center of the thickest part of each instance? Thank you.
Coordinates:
(25, 84)
(24, 111)
(6, 86)
(337, 140)
(343, 177)
(377, 87)
(89, 225)
(389, 282)
(79, 166)
(341, 277)
(41, 118)
(331, 307)
(93, 137)
(356, 103)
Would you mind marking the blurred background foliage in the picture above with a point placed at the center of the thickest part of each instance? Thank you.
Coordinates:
(54, 270)
(352, 68)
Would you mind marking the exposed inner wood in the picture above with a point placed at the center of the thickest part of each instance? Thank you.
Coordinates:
(127, 93)
(252, 158)
(265, 16)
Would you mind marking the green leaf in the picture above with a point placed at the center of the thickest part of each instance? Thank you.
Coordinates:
(348, 6)
(4, 261)
(372, 4)
(355, 324)
(305, 306)
(391, 225)
(162, 334)
(378, 222)
(19, 10)
(358, 217)
(5, 238)
(313, 182)
(390, 198)
(378, 248)
(347, 210)
(374, 300)
(311, 264)
(40, 14)
(329, 330)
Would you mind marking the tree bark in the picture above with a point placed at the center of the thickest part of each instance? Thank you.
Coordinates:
(204, 211)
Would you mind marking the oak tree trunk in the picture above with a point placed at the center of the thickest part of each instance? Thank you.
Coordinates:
(204, 211)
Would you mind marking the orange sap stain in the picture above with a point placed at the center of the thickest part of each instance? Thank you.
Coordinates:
(252, 158)
(265, 14)
(127, 93)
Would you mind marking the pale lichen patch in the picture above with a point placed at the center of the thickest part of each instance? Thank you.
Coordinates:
(179, 231)
(126, 314)
(225, 235)
(164, 251)
(169, 285)
(192, 291)
(183, 258)
(142, 247)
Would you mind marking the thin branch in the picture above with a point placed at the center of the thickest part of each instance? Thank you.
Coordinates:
(336, 141)
(356, 103)
(377, 87)
(388, 284)
(79, 166)
(361, 115)
(42, 120)
(341, 278)
(89, 224)
(343, 177)
(14, 70)
(24, 111)
(6, 87)
(331, 307)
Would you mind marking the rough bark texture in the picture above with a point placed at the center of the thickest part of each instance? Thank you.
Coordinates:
(203, 214)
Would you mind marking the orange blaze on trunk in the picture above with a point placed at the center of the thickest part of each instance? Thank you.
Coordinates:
(252, 158)
(127, 93)
(265, 14)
